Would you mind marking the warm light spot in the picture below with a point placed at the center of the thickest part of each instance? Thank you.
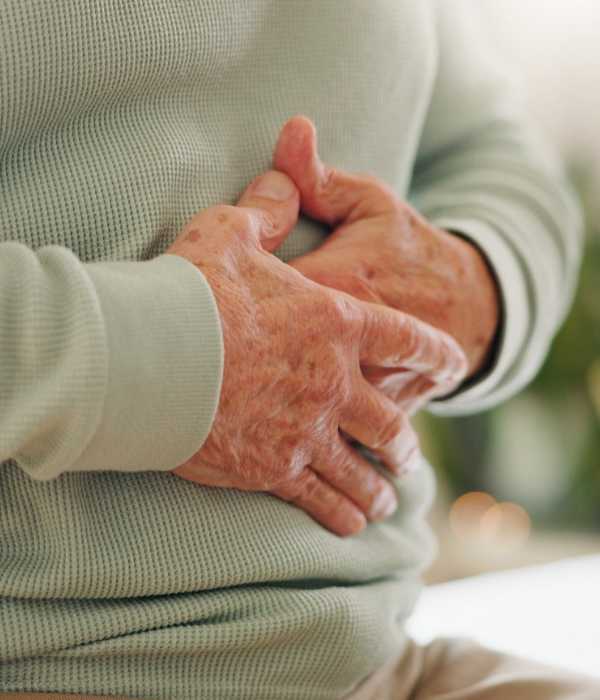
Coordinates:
(467, 511)
(507, 522)
(477, 519)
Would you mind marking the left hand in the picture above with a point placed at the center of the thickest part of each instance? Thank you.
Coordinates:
(381, 250)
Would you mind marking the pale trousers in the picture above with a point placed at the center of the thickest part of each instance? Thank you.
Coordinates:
(458, 669)
(447, 669)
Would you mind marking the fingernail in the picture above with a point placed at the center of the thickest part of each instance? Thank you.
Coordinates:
(359, 522)
(354, 523)
(385, 504)
(274, 185)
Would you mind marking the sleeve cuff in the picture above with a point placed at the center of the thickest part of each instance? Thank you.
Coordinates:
(165, 357)
(492, 387)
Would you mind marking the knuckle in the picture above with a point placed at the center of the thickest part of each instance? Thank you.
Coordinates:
(334, 305)
(310, 488)
(374, 182)
(404, 445)
(224, 213)
(272, 483)
(340, 310)
(237, 222)
(343, 467)
(407, 216)
(289, 469)
(305, 481)
(380, 188)
(332, 187)
(268, 223)
(274, 470)
(285, 491)
(328, 183)
(289, 489)
(389, 431)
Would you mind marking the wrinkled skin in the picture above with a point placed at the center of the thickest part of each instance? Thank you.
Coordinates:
(292, 381)
(381, 250)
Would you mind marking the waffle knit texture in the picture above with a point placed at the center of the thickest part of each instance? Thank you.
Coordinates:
(118, 121)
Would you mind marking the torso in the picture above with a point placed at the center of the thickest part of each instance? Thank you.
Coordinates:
(118, 121)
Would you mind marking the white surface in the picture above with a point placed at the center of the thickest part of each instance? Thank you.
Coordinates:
(549, 613)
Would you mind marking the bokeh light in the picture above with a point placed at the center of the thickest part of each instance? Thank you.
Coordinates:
(467, 512)
(508, 522)
(477, 518)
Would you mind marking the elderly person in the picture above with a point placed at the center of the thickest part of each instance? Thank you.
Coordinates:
(210, 487)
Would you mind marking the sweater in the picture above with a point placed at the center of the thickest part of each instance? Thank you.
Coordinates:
(118, 121)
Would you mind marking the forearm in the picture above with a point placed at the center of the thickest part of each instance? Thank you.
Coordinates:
(105, 365)
(484, 171)
(529, 229)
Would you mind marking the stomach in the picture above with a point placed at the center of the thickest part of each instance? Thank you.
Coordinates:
(143, 584)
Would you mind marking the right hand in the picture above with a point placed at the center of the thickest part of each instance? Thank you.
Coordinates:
(292, 377)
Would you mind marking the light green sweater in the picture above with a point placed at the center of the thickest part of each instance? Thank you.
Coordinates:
(118, 121)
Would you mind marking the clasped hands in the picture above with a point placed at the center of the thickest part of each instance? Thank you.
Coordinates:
(340, 345)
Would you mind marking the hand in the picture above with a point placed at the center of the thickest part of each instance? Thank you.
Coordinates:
(383, 251)
(292, 378)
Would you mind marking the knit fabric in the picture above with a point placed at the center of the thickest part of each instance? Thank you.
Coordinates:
(118, 121)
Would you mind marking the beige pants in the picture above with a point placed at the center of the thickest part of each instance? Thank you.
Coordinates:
(443, 670)
(451, 669)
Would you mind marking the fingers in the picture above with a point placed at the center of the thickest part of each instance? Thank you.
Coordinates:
(323, 503)
(414, 396)
(355, 477)
(393, 382)
(275, 200)
(328, 194)
(402, 455)
(408, 390)
(394, 339)
(375, 421)
(341, 490)
(370, 417)
(267, 212)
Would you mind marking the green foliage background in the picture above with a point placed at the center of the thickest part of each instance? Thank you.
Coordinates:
(542, 448)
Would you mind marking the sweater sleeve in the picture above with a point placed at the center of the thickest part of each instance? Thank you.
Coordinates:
(484, 172)
(105, 366)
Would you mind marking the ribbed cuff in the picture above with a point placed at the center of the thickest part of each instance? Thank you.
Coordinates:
(491, 388)
(165, 357)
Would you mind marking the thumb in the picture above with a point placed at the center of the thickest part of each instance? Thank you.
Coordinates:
(327, 194)
(275, 195)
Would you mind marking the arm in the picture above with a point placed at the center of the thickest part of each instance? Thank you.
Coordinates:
(97, 360)
(182, 364)
(292, 385)
(483, 171)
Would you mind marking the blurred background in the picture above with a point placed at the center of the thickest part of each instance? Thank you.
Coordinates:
(521, 484)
